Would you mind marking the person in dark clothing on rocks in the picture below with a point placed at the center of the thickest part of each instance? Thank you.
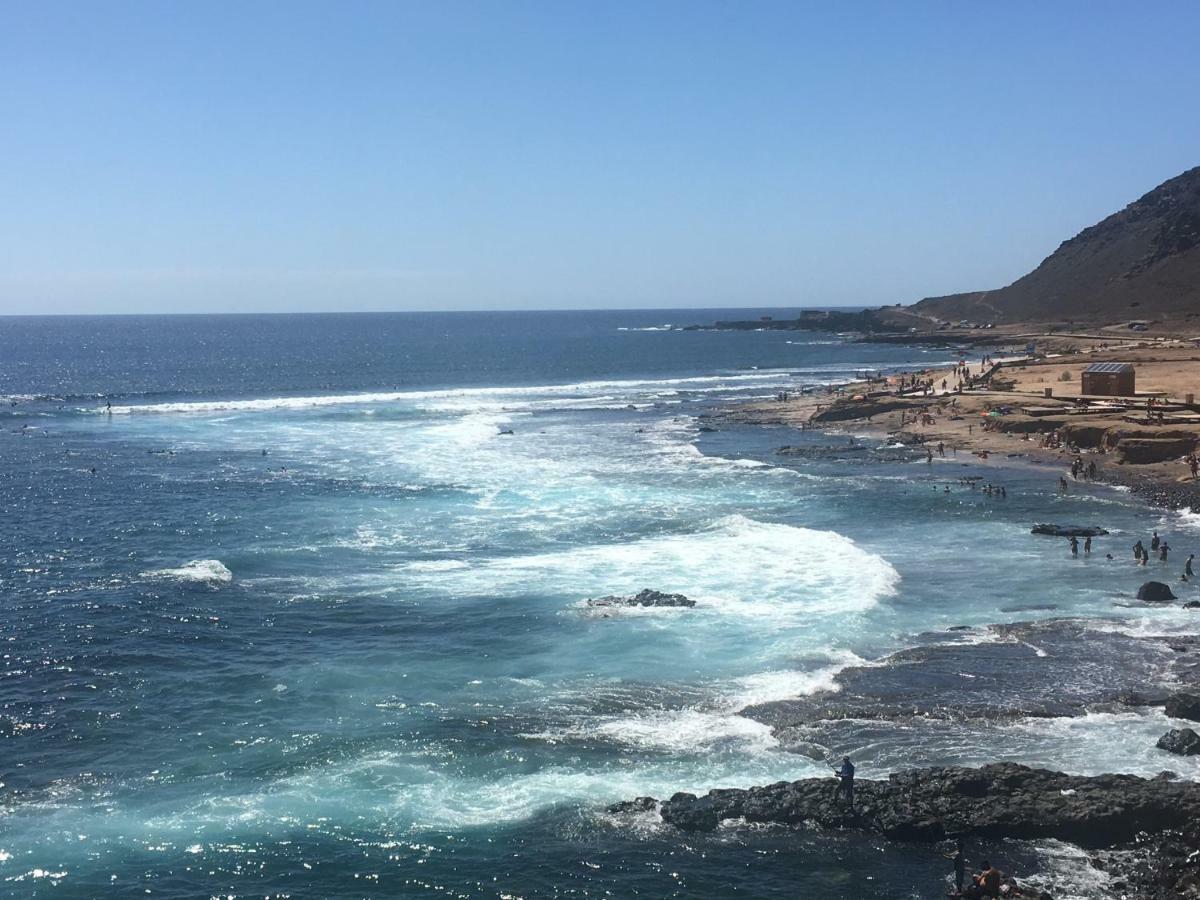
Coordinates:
(845, 785)
(960, 865)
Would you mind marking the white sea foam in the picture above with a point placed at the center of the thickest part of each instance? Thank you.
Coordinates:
(737, 566)
(208, 571)
(766, 687)
(688, 731)
(456, 397)
(1068, 872)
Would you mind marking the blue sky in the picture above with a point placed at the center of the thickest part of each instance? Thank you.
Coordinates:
(254, 156)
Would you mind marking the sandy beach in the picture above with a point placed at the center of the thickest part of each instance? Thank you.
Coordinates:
(1029, 407)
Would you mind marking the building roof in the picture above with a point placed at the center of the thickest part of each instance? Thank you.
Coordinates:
(1109, 368)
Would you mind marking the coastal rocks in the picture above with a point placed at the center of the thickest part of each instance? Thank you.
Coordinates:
(1000, 674)
(1155, 592)
(645, 597)
(1183, 741)
(844, 410)
(1183, 706)
(1192, 604)
(1068, 530)
(1004, 800)
(1144, 451)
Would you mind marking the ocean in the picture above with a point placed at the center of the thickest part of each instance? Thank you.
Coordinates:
(296, 606)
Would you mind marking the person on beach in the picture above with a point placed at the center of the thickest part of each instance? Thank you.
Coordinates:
(1062, 484)
(845, 785)
(960, 865)
(1087, 546)
(1155, 541)
(1074, 546)
(1163, 549)
(1138, 550)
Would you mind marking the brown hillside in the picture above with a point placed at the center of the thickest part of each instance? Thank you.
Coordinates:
(1140, 263)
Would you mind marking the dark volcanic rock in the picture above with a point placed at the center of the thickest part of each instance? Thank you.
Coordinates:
(1183, 706)
(645, 597)
(1068, 530)
(1192, 604)
(1155, 592)
(1005, 800)
(1183, 741)
(1054, 668)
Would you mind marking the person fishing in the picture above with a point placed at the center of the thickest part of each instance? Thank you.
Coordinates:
(960, 865)
(845, 777)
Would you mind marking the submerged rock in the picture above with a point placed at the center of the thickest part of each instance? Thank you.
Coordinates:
(1155, 592)
(1068, 530)
(1182, 741)
(1005, 800)
(644, 597)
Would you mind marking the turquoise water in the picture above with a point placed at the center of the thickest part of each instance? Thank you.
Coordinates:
(316, 624)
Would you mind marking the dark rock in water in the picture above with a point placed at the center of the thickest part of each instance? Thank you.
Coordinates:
(1192, 604)
(1183, 741)
(638, 804)
(1068, 530)
(1155, 592)
(1183, 706)
(999, 801)
(645, 597)
(1026, 669)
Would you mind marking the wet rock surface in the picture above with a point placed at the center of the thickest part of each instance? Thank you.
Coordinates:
(1005, 800)
(644, 597)
(1054, 668)
(1183, 741)
(1155, 592)
(1068, 530)
(1183, 705)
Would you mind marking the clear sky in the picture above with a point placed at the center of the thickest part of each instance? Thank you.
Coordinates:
(262, 156)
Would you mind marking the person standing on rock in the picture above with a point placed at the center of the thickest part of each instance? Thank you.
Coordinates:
(845, 785)
(960, 865)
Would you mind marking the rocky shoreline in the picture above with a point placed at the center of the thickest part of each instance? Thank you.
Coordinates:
(1147, 828)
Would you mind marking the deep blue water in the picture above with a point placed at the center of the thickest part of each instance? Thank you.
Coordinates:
(297, 617)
